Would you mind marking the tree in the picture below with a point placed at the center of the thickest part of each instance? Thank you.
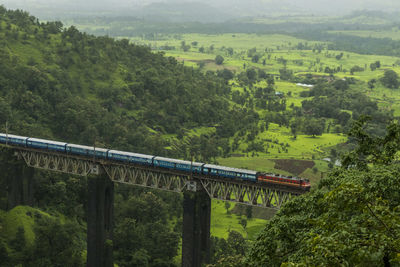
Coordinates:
(255, 58)
(236, 242)
(314, 127)
(371, 84)
(341, 85)
(370, 149)
(56, 243)
(285, 74)
(228, 261)
(251, 74)
(141, 228)
(262, 74)
(270, 81)
(390, 79)
(219, 60)
(227, 206)
(251, 52)
(226, 74)
(5, 258)
(356, 68)
(228, 252)
(243, 223)
(249, 212)
(339, 57)
(20, 251)
(293, 129)
(183, 44)
(343, 118)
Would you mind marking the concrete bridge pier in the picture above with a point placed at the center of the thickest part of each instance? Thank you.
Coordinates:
(100, 221)
(196, 229)
(20, 185)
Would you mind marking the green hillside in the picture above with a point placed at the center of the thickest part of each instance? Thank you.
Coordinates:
(30, 236)
(20, 217)
(65, 84)
(248, 110)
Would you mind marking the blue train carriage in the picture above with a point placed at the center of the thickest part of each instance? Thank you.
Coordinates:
(13, 139)
(216, 170)
(46, 144)
(87, 151)
(130, 157)
(177, 164)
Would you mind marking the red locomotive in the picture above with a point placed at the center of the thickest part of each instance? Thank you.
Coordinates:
(284, 180)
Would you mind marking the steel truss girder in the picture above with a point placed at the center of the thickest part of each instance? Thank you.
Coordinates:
(253, 194)
(149, 178)
(59, 163)
(250, 194)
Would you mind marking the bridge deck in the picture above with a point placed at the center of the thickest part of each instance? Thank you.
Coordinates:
(247, 192)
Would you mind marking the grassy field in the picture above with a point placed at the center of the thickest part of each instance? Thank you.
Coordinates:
(283, 47)
(223, 222)
(277, 46)
(280, 47)
(237, 41)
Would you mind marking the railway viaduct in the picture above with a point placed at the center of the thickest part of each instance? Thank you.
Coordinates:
(198, 190)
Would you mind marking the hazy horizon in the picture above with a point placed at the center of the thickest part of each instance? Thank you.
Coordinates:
(219, 10)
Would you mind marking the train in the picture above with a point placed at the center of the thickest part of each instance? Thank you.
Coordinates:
(155, 161)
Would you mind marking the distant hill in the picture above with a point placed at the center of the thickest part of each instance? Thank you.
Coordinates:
(205, 11)
(180, 12)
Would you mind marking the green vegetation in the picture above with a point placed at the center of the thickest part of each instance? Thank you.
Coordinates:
(20, 217)
(65, 85)
(30, 236)
(268, 102)
(352, 218)
(393, 34)
(223, 221)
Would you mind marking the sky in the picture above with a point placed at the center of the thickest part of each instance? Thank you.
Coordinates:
(228, 9)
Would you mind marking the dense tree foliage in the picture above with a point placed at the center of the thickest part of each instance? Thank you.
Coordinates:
(333, 100)
(65, 85)
(390, 79)
(142, 234)
(229, 252)
(351, 219)
(361, 45)
(81, 88)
